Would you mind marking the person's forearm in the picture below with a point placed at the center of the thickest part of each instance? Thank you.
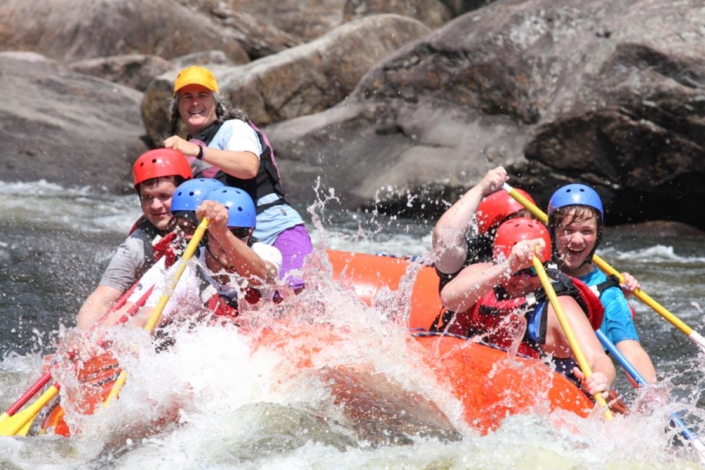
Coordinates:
(243, 165)
(451, 229)
(637, 357)
(96, 306)
(472, 283)
(244, 260)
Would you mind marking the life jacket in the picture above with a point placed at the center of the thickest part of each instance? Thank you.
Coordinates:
(491, 315)
(161, 245)
(222, 305)
(267, 181)
(225, 306)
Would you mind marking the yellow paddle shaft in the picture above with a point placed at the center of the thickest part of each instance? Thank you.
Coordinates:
(693, 335)
(20, 421)
(159, 308)
(572, 340)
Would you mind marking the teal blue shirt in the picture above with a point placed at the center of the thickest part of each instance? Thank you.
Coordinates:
(617, 324)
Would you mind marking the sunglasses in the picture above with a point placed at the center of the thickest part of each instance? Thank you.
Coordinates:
(184, 220)
(240, 233)
(529, 272)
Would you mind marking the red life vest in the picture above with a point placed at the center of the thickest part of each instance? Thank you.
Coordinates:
(491, 317)
(224, 306)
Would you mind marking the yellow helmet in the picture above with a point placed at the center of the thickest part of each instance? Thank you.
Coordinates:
(195, 75)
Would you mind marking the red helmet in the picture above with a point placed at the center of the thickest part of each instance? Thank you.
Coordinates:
(513, 231)
(160, 162)
(496, 207)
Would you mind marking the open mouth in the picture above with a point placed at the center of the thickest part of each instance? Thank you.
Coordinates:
(573, 254)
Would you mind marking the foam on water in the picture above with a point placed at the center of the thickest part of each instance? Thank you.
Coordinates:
(244, 401)
(653, 254)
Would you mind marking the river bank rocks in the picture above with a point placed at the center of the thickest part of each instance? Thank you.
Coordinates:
(299, 81)
(65, 127)
(401, 111)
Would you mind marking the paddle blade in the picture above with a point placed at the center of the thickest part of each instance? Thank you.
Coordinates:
(21, 421)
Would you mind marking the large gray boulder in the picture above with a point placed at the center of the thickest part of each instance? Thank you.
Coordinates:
(433, 13)
(65, 127)
(298, 81)
(70, 30)
(305, 20)
(132, 70)
(605, 92)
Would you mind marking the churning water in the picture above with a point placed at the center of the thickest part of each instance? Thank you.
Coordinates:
(236, 401)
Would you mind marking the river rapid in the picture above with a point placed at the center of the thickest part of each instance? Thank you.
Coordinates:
(241, 407)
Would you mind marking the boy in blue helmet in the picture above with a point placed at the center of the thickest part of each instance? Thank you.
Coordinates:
(576, 219)
(229, 256)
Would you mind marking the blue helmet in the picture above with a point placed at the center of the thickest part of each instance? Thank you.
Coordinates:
(575, 195)
(241, 209)
(189, 195)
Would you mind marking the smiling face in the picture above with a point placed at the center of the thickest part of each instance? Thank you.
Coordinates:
(196, 107)
(155, 198)
(576, 236)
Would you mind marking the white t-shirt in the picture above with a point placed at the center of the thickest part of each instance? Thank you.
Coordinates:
(237, 136)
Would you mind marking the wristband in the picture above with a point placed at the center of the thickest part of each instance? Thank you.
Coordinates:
(200, 153)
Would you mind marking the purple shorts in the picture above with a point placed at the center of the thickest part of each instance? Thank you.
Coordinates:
(294, 244)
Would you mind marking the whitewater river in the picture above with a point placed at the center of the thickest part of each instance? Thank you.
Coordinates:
(241, 409)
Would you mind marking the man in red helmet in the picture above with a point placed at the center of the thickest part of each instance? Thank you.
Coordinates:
(156, 175)
(501, 302)
(464, 233)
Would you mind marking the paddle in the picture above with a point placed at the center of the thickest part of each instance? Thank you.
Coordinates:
(609, 270)
(676, 421)
(44, 379)
(31, 391)
(157, 312)
(20, 423)
(572, 340)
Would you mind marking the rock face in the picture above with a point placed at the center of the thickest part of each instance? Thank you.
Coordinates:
(66, 127)
(69, 30)
(433, 13)
(299, 81)
(383, 109)
(604, 92)
(133, 71)
(306, 20)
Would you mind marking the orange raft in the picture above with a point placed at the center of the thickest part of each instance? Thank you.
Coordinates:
(489, 384)
(484, 379)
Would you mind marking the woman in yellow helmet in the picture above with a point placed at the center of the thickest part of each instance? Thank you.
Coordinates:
(225, 144)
